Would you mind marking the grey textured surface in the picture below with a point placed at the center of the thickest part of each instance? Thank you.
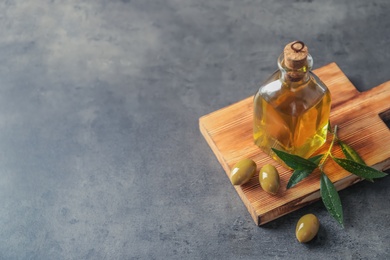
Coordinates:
(101, 156)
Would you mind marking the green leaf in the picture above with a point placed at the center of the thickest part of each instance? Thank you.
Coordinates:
(294, 161)
(350, 153)
(299, 175)
(359, 169)
(331, 199)
(316, 159)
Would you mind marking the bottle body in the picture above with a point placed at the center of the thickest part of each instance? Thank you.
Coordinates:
(291, 115)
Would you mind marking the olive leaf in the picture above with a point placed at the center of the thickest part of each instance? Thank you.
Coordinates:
(359, 169)
(331, 199)
(350, 153)
(300, 174)
(294, 161)
(316, 159)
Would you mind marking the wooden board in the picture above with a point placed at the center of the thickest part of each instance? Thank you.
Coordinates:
(358, 115)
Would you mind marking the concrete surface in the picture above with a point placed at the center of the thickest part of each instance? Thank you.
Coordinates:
(101, 156)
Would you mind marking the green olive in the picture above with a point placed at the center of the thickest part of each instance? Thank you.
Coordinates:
(269, 179)
(242, 171)
(307, 228)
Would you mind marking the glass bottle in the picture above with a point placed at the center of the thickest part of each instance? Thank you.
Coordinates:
(291, 108)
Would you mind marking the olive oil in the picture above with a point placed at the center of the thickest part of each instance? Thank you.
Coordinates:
(291, 109)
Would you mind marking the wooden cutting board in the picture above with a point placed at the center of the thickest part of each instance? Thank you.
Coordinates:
(361, 118)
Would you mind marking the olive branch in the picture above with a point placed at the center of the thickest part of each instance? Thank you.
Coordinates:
(352, 163)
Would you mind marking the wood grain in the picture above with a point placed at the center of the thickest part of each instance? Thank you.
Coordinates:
(228, 132)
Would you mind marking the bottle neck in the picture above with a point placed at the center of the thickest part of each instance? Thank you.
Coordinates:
(296, 76)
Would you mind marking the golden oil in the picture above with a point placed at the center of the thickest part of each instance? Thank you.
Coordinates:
(291, 109)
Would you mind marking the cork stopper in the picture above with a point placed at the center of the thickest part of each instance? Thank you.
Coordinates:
(295, 55)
